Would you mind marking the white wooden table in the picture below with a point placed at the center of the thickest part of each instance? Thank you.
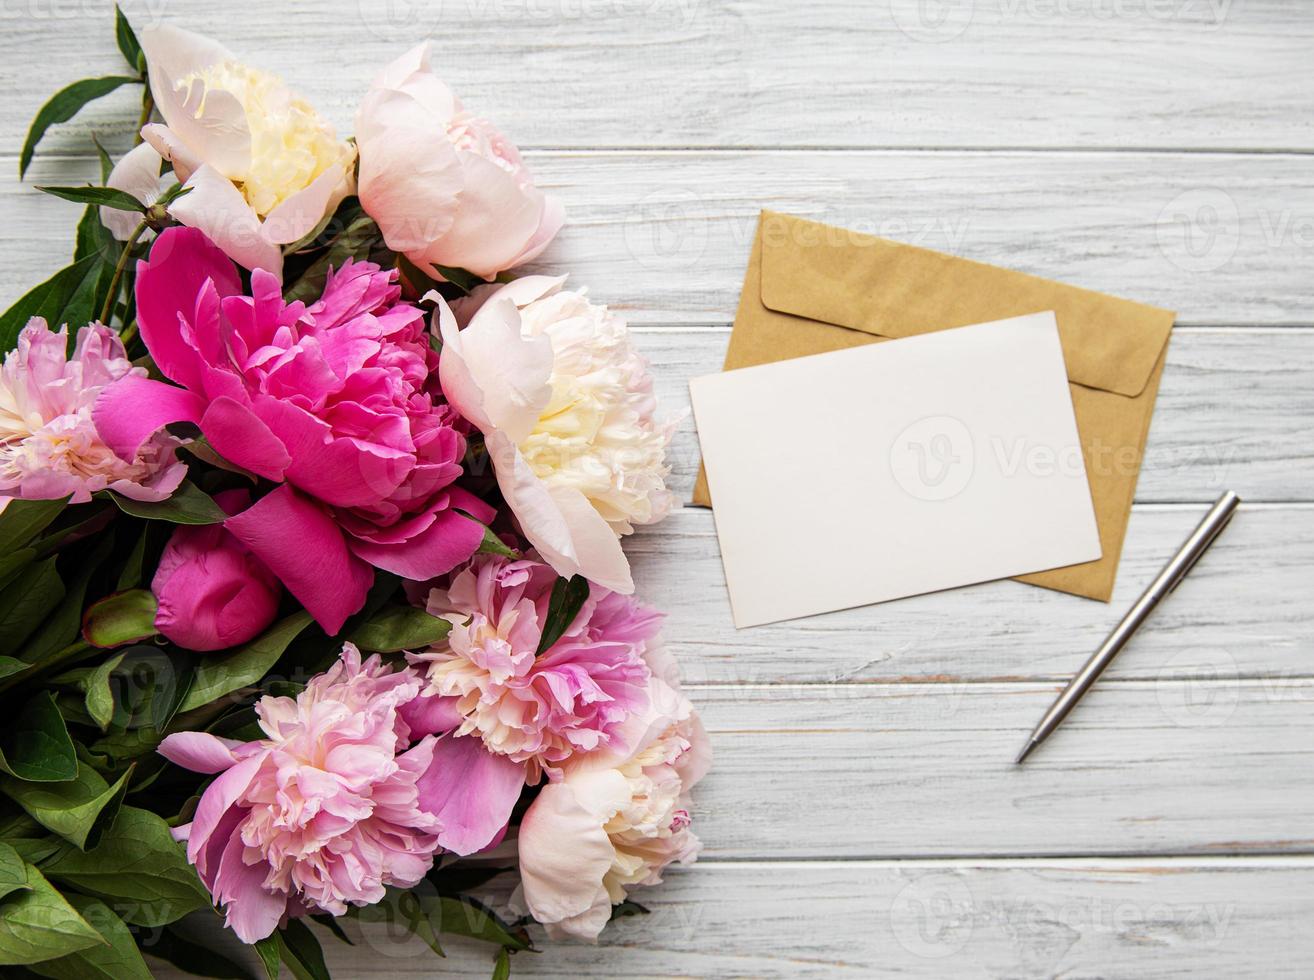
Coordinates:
(863, 817)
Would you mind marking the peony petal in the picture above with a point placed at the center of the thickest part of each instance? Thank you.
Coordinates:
(451, 539)
(218, 797)
(411, 179)
(491, 374)
(339, 471)
(568, 532)
(212, 124)
(431, 715)
(297, 215)
(305, 549)
(239, 436)
(131, 410)
(138, 174)
(564, 853)
(471, 790)
(199, 751)
(169, 283)
(252, 912)
(554, 216)
(499, 218)
(217, 208)
(171, 148)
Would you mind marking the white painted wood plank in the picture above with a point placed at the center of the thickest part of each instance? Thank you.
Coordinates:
(927, 770)
(580, 73)
(1153, 920)
(1244, 612)
(1235, 410)
(1222, 239)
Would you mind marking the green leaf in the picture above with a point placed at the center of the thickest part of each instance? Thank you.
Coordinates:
(567, 600)
(459, 277)
(463, 916)
(23, 520)
(355, 242)
(35, 746)
(117, 959)
(12, 565)
(13, 873)
(10, 666)
(188, 505)
(396, 628)
(138, 867)
(270, 957)
(222, 673)
(62, 627)
(190, 957)
(39, 924)
(104, 197)
(493, 545)
(148, 685)
(61, 299)
(78, 810)
(300, 951)
(124, 617)
(27, 601)
(99, 694)
(127, 41)
(63, 106)
(106, 162)
(502, 966)
(133, 574)
(331, 924)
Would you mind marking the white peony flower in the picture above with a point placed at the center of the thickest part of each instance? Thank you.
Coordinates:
(566, 407)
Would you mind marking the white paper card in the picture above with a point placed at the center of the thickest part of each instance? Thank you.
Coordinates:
(894, 469)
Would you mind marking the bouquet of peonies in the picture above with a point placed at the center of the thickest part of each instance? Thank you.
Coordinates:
(312, 596)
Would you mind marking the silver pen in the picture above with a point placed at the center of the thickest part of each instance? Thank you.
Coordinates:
(1164, 583)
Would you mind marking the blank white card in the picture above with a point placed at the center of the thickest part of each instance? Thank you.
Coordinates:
(895, 469)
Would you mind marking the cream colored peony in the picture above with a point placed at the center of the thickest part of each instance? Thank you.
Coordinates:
(263, 168)
(566, 407)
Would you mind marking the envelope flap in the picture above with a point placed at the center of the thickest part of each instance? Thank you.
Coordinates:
(890, 289)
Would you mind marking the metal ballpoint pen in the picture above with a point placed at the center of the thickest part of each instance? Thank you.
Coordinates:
(1164, 583)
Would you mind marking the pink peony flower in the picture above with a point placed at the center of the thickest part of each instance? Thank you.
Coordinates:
(338, 401)
(322, 813)
(566, 407)
(49, 446)
(213, 593)
(538, 711)
(262, 167)
(445, 187)
(612, 823)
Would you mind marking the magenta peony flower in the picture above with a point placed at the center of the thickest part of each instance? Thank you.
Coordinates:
(212, 591)
(614, 822)
(49, 447)
(446, 188)
(339, 401)
(322, 813)
(537, 711)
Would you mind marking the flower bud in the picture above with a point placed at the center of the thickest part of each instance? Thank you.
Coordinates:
(212, 591)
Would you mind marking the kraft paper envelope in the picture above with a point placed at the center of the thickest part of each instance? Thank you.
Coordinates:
(951, 458)
(811, 288)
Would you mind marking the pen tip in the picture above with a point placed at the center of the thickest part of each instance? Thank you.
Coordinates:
(1026, 751)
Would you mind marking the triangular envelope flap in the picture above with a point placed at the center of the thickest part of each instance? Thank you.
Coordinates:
(890, 289)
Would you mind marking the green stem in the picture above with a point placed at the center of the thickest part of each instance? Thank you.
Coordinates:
(108, 310)
(147, 107)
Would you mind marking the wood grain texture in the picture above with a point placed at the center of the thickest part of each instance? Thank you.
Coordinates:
(1241, 614)
(1224, 240)
(1187, 765)
(1151, 919)
(642, 73)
